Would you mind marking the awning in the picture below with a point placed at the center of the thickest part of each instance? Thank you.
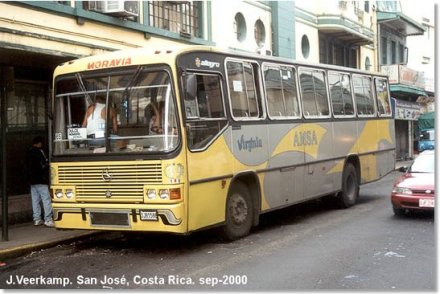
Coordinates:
(405, 89)
(400, 22)
(345, 30)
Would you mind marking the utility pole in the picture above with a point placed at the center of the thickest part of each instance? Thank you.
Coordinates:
(6, 84)
(5, 228)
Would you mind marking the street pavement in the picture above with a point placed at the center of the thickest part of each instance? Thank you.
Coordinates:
(25, 238)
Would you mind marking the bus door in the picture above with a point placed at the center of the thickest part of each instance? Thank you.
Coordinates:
(209, 160)
(249, 129)
(316, 134)
(284, 180)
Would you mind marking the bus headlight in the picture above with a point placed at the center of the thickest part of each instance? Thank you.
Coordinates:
(164, 194)
(59, 193)
(69, 193)
(151, 193)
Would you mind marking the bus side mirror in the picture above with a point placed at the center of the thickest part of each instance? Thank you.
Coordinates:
(191, 86)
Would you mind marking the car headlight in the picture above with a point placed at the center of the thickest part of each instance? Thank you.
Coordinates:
(400, 190)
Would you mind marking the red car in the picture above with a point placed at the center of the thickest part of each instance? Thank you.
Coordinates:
(414, 190)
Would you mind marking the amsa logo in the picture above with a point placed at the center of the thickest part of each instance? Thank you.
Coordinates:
(206, 63)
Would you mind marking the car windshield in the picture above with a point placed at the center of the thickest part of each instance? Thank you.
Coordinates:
(138, 104)
(424, 163)
(427, 135)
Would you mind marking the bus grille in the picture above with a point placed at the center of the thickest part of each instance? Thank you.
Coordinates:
(123, 183)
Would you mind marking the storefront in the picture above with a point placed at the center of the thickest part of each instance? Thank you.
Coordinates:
(406, 115)
(25, 79)
(406, 86)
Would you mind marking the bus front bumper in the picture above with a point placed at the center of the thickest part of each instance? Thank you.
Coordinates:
(121, 217)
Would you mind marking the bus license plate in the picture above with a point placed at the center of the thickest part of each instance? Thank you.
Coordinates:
(148, 215)
(426, 202)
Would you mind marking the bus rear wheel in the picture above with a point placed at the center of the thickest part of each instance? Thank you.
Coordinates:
(239, 212)
(350, 187)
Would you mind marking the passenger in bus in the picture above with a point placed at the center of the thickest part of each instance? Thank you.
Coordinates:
(94, 120)
(156, 119)
(155, 126)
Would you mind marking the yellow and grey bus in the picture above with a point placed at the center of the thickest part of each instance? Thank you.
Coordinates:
(202, 137)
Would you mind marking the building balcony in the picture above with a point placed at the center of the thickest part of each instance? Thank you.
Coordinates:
(343, 22)
(345, 30)
(400, 23)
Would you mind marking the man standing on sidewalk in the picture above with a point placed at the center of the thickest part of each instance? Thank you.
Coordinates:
(38, 172)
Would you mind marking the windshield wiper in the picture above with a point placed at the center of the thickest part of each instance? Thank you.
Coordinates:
(80, 82)
(129, 89)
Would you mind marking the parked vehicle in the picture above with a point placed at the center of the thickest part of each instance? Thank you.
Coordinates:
(427, 140)
(415, 189)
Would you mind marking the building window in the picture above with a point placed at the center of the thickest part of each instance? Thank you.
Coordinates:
(367, 63)
(383, 50)
(393, 52)
(240, 27)
(367, 6)
(305, 46)
(260, 33)
(401, 53)
(27, 109)
(337, 53)
(179, 17)
(63, 2)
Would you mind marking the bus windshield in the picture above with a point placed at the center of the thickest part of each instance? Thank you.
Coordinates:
(138, 104)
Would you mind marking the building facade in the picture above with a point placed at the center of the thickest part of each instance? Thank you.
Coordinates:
(36, 36)
(395, 29)
(343, 30)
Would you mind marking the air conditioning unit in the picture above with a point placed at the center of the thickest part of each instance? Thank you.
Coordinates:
(264, 52)
(117, 7)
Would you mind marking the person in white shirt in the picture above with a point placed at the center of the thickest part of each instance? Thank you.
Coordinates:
(94, 120)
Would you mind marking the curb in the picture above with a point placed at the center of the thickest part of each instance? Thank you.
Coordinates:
(24, 249)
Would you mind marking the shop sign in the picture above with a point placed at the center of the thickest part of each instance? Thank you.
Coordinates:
(399, 74)
(405, 110)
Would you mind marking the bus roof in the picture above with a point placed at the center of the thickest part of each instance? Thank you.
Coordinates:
(147, 55)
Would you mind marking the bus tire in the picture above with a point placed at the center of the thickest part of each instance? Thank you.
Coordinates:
(239, 212)
(350, 187)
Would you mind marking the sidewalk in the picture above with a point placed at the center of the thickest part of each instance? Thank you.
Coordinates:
(25, 238)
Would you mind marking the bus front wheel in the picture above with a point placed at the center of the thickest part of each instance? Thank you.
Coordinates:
(239, 212)
(350, 187)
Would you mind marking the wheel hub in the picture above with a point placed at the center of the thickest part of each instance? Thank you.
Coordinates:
(239, 210)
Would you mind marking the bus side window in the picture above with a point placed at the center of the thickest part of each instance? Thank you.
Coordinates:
(364, 95)
(281, 92)
(314, 93)
(204, 109)
(383, 98)
(244, 91)
(340, 94)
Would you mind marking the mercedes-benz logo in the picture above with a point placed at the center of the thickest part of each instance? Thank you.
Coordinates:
(108, 194)
(106, 175)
